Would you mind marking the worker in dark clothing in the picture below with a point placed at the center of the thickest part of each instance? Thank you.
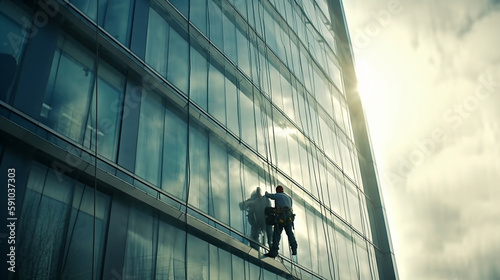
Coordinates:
(255, 207)
(285, 217)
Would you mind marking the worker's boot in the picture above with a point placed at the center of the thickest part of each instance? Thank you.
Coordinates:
(272, 253)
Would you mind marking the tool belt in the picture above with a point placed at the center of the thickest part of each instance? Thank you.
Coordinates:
(279, 216)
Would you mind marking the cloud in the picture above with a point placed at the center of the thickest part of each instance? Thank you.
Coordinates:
(441, 66)
(449, 212)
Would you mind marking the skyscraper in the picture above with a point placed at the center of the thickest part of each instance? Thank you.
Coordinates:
(132, 130)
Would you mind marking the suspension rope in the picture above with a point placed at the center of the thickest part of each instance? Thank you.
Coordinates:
(72, 230)
(188, 149)
(96, 81)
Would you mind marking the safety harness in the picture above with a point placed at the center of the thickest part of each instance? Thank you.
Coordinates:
(279, 215)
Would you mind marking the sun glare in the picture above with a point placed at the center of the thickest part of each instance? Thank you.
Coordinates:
(371, 91)
(366, 80)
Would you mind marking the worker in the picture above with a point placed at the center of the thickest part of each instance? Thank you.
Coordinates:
(285, 218)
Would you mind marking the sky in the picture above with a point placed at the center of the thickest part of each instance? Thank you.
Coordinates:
(429, 79)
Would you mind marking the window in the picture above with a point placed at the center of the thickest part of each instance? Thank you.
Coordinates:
(216, 27)
(174, 152)
(229, 38)
(139, 260)
(198, 10)
(216, 93)
(198, 261)
(149, 142)
(114, 15)
(69, 106)
(157, 42)
(154, 248)
(232, 97)
(248, 130)
(56, 228)
(109, 98)
(219, 189)
(161, 145)
(178, 61)
(12, 43)
(199, 79)
(167, 51)
(199, 167)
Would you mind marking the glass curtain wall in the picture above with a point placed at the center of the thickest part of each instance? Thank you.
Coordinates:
(58, 227)
(62, 229)
(239, 106)
(70, 104)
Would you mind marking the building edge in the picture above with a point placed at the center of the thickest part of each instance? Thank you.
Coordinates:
(385, 256)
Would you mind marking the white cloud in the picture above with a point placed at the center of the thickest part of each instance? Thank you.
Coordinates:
(442, 205)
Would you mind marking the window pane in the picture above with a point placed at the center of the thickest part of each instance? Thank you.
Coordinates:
(301, 233)
(139, 252)
(236, 193)
(197, 258)
(215, 20)
(354, 206)
(198, 79)
(238, 265)
(276, 93)
(198, 12)
(298, 162)
(175, 153)
(216, 94)
(313, 239)
(150, 138)
(247, 120)
(110, 94)
(198, 159)
(12, 44)
(114, 15)
(337, 192)
(307, 167)
(229, 39)
(90, 8)
(118, 19)
(288, 101)
(250, 182)
(220, 264)
(362, 257)
(157, 42)
(232, 107)
(178, 61)
(171, 250)
(280, 135)
(43, 224)
(219, 181)
(56, 227)
(181, 5)
(261, 125)
(68, 95)
(251, 271)
(78, 262)
(243, 52)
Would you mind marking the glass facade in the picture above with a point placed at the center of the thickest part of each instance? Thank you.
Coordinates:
(136, 128)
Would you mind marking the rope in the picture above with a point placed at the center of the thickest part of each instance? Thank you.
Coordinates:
(74, 225)
(188, 150)
(96, 80)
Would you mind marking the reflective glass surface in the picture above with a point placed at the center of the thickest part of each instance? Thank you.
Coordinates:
(224, 99)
